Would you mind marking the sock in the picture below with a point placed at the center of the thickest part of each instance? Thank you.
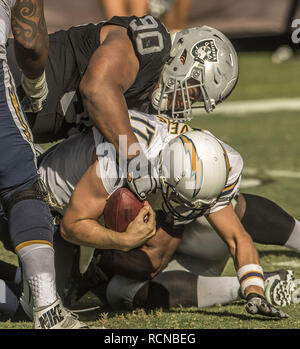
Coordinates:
(168, 289)
(213, 290)
(293, 241)
(38, 266)
(174, 288)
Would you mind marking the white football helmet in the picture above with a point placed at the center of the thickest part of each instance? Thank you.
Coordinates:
(203, 66)
(193, 171)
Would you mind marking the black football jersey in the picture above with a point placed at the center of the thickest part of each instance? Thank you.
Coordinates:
(152, 44)
(69, 54)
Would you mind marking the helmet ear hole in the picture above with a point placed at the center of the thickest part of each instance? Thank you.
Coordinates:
(183, 57)
(217, 76)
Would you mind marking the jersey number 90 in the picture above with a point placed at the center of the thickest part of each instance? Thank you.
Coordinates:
(147, 41)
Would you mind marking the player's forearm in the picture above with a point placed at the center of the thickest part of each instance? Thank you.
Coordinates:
(160, 249)
(134, 264)
(91, 233)
(246, 260)
(108, 110)
(31, 37)
(243, 251)
(143, 263)
(241, 247)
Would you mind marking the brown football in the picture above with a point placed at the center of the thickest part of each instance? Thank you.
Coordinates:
(121, 208)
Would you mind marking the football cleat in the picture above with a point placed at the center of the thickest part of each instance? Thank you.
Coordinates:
(56, 317)
(279, 287)
(280, 293)
(282, 275)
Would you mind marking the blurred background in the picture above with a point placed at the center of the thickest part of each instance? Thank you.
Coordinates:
(251, 24)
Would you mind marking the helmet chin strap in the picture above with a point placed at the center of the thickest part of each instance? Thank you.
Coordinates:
(173, 35)
(156, 101)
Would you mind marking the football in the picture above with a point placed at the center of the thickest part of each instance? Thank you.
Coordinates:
(121, 208)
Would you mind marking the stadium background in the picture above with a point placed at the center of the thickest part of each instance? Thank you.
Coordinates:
(261, 119)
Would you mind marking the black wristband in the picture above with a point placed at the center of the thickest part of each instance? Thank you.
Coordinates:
(134, 264)
(253, 295)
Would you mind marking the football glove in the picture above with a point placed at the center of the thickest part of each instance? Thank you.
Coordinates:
(257, 304)
(140, 181)
(36, 91)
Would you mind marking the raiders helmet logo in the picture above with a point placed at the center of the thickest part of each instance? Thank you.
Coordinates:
(205, 51)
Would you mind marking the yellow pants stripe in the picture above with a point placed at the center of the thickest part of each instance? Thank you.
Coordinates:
(32, 242)
(19, 113)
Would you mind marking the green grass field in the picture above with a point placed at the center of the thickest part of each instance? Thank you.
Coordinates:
(267, 141)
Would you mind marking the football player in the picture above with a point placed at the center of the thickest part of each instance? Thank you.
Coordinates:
(101, 70)
(29, 218)
(206, 177)
(66, 166)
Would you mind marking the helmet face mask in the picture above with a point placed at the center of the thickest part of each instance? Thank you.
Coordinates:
(180, 96)
(180, 208)
(201, 58)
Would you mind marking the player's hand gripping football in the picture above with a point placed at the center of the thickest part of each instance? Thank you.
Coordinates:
(141, 229)
(139, 178)
(257, 304)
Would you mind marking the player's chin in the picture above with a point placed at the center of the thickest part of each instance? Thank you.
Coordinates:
(178, 107)
(170, 112)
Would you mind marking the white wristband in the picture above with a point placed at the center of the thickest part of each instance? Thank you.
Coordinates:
(36, 91)
(251, 275)
(35, 88)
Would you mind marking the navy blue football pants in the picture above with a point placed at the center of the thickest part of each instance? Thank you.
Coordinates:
(29, 219)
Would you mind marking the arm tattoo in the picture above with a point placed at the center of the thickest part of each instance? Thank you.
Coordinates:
(31, 37)
(28, 22)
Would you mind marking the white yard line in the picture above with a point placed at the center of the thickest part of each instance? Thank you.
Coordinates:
(272, 173)
(250, 180)
(246, 108)
(292, 263)
(243, 108)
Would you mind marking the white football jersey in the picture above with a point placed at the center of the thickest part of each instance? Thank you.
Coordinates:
(5, 23)
(62, 167)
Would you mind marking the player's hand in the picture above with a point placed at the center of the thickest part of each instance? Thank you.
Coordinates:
(140, 182)
(257, 304)
(36, 93)
(141, 229)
